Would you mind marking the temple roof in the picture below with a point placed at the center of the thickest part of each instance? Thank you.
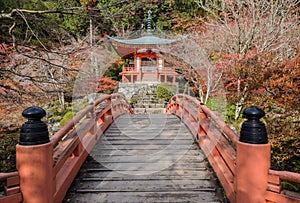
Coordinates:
(146, 41)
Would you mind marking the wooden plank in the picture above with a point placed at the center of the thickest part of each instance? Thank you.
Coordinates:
(274, 188)
(139, 161)
(68, 141)
(4, 176)
(148, 142)
(171, 196)
(16, 198)
(12, 181)
(150, 166)
(275, 197)
(143, 147)
(227, 152)
(161, 136)
(145, 178)
(146, 185)
(166, 152)
(142, 132)
(12, 190)
(142, 171)
(291, 194)
(224, 176)
(91, 190)
(148, 158)
(286, 175)
(93, 173)
(273, 179)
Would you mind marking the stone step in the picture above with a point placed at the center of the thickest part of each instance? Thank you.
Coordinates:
(148, 106)
(147, 102)
(150, 101)
(148, 110)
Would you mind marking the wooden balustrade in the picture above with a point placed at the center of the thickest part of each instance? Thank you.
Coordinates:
(12, 191)
(220, 143)
(54, 165)
(216, 143)
(130, 74)
(79, 136)
(275, 193)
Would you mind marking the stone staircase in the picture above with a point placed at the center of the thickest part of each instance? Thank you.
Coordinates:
(147, 102)
(145, 158)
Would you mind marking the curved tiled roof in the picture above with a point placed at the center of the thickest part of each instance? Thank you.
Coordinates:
(147, 40)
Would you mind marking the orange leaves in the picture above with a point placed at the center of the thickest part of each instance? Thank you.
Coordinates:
(284, 82)
(90, 3)
(119, 62)
(106, 85)
(267, 82)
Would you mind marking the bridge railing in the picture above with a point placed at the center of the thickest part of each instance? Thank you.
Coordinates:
(78, 137)
(214, 137)
(47, 170)
(275, 193)
(243, 169)
(11, 191)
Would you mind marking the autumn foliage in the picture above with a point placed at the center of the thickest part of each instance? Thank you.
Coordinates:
(274, 87)
(106, 85)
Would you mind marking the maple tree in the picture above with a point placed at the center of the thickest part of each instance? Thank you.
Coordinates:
(277, 92)
(106, 85)
(236, 31)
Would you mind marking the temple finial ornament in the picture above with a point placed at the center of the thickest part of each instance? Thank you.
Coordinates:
(149, 21)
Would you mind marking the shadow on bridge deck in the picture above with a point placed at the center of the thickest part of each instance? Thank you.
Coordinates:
(145, 158)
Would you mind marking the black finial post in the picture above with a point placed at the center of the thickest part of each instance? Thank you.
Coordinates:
(34, 131)
(253, 130)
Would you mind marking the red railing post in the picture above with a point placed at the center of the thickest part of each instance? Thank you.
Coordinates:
(253, 159)
(201, 115)
(34, 159)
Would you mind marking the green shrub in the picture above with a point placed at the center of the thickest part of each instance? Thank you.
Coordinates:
(165, 91)
(133, 100)
(68, 116)
(8, 142)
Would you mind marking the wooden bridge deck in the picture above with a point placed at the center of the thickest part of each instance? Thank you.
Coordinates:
(145, 158)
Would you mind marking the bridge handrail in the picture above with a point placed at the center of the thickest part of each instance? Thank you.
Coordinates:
(79, 116)
(275, 193)
(12, 192)
(223, 126)
(70, 124)
(4, 176)
(103, 98)
(225, 158)
(96, 118)
(54, 165)
(286, 175)
(212, 134)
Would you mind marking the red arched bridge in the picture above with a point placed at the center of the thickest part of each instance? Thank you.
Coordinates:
(108, 154)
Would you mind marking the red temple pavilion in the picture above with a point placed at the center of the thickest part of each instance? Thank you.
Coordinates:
(146, 63)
